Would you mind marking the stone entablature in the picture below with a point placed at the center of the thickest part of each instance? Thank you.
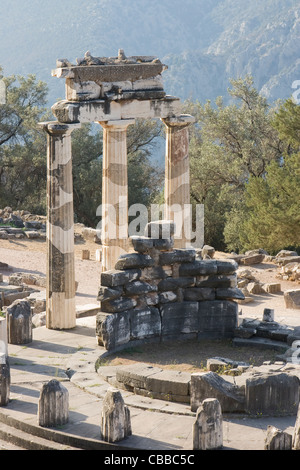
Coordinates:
(112, 78)
(159, 293)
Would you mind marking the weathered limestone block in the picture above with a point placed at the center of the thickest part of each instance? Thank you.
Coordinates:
(226, 266)
(151, 298)
(170, 385)
(198, 268)
(286, 254)
(167, 296)
(214, 364)
(145, 323)
(163, 244)
(179, 318)
(272, 288)
(208, 427)
(114, 277)
(277, 439)
(134, 260)
(4, 380)
(275, 394)
(135, 375)
(210, 385)
(147, 380)
(208, 250)
(118, 305)
(253, 259)
(152, 273)
(220, 281)
(199, 293)
(292, 298)
(287, 260)
(177, 256)
(19, 322)
(268, 315)
(97, 110)
(141, 244)
(113, 329)
(160, 229)
(139, 287)
(172, 283)
(229, 293)
(53, 406)
(115, 417)
(109, 293)
(217, 318)
(255, 288)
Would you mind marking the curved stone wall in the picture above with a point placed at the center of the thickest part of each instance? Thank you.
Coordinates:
(159, 293)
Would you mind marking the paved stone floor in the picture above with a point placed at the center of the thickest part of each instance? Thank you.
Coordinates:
(156, 425)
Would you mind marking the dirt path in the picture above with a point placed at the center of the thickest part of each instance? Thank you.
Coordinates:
(30, 256)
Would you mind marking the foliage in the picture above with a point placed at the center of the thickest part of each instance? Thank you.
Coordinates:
(145, 179)
(273, 220)
(272, 203)
(23, 144)
(87, 173)
(229, 144)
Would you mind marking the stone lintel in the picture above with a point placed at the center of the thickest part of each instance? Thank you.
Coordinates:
(103, 110)
(110, 73)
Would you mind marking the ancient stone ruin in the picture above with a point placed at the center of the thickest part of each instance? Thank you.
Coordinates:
(159, 293)
(112, 92)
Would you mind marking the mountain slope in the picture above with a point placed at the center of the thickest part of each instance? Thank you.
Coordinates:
(204, 42)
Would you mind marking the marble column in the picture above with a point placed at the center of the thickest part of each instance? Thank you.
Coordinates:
(177, 176)
(60, 295)
(114, 230)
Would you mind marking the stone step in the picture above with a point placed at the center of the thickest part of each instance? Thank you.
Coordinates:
(261, 342)
(23, 440)
(4, 445)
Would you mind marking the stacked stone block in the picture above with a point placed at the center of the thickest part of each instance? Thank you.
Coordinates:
(166, 293)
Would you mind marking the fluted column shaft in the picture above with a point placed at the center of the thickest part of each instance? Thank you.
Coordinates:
(177, 174)
(60, 296)
(114, 231)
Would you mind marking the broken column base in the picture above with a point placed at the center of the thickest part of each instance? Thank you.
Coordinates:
(208, 427)
(53, 406)
(115, 417)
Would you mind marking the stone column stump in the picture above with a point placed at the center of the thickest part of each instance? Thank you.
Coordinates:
(53, 406)
(115, 417)
(19, 322)
(272, 394)
(4, 380)
(277, 439)
(208, 427)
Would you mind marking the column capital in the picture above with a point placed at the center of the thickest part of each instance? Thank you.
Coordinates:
(117, 123)
(183, 120)
(59, 128)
